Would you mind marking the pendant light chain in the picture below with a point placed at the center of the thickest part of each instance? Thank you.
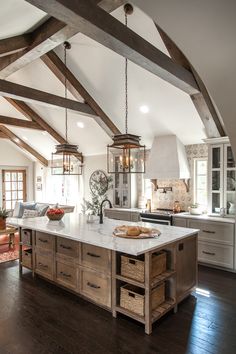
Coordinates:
(126, 85)
(65, 85)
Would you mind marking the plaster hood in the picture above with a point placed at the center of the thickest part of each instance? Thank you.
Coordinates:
(167, 159)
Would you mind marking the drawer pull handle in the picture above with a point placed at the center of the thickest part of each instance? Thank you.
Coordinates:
(42, 265)
(94, 286)
(65, 275)
(208, 231)
(209, 253)
(132, 261)
(42, 240)
(131, 294)
(65, 247)
(93, 255)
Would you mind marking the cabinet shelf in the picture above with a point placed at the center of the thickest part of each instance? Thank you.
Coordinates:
(163, 309)
(130, 314)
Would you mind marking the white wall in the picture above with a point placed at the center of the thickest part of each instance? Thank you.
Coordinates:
(12, 158)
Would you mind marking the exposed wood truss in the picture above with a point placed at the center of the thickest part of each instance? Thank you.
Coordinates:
(20, 143)
(108, 31)
(2, 135)
(19, 123)
(201, 100)
(11, 45)
(30, 114)
(55, 64)
(24, 93)
(45, 38)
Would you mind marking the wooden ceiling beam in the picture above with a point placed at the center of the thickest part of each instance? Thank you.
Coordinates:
(21, 144)
(201, 100)
(24, 93)
(14, 44)
(55, 64)
(94, 22)
(19, 123)
(2, 135)
(30, 114)
(46, 37)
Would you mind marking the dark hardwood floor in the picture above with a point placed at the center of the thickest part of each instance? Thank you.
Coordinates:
(37, 317)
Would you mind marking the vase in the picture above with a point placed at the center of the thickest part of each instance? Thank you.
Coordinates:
(2, 224)
(231, 208)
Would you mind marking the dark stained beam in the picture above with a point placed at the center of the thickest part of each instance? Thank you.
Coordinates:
(21, 144)
(30, 114)
(14, 44)
(55, 64)
(19, 123)
(24, 93)
(108, 31)
(2, 135)
(45, 38)
(201, 100)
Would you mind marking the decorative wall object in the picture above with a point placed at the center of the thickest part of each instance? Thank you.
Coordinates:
(166, 200)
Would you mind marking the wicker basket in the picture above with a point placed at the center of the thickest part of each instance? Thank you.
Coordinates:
(27, 258)
(26, 236)
(134, 267)
(132, 298)
(55, 216)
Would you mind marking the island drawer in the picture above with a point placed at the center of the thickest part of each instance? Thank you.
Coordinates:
(66, 247)
(66, 275)
(44, 241)
(27, 258)
(132, 298)
(216, 232)
(134, 267)
(95, 286)
(96, 258)
(215, 254)
(44, 265)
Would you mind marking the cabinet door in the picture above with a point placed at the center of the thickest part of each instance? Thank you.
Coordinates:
(186, 267)
(216, 178)
(180, 222)
(229, 180)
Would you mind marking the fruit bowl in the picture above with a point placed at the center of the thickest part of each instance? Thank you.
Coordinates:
(55, 214)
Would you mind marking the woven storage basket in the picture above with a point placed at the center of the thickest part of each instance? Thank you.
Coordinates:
(27, 258)
(132, 298)
(26, 236)
(134, 267)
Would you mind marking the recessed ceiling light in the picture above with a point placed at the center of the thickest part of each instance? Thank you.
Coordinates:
(80, 124)
(144, 109)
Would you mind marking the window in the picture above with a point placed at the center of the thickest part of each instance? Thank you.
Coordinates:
(14, 187)
(200, 182)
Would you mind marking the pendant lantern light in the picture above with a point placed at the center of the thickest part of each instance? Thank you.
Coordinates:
(67, 160)
(126, 154)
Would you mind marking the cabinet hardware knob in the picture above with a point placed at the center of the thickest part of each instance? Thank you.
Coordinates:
(42, 240)
(93, 255)
(65, 247)
(65, 275)
(93, 285)
(42, 265)
(208, 232)
(209, 253)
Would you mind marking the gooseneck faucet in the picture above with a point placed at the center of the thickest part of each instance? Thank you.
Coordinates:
(101, 211)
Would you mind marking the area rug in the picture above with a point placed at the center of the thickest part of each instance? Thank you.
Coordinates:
(8, 254)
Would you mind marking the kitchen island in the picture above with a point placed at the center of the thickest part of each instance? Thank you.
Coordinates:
(142, 279)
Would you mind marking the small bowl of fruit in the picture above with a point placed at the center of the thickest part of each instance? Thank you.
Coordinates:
(55, 214)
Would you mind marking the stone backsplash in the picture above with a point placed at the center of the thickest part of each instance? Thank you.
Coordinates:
(166, 200)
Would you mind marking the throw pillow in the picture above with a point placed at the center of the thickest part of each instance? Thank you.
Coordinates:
(23, 206)
(41, 208)
(30, 214)
(16, 210)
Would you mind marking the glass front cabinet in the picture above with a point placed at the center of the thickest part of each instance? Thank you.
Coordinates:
(221, 183)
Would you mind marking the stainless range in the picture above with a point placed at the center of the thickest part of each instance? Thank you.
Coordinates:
(158, 216)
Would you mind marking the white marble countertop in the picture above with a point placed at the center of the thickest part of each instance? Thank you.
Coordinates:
(75, 227)
(205, 217)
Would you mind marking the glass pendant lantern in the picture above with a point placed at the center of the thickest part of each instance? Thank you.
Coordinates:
(66, 160)
(126, 154)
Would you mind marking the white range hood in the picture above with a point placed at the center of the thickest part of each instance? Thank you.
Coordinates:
(167, 159)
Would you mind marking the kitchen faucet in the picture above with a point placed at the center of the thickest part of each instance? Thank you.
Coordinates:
(101, 211)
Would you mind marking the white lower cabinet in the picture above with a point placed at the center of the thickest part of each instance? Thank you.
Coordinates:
(215, 241)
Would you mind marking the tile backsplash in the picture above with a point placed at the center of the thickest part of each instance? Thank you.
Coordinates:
(166, 200)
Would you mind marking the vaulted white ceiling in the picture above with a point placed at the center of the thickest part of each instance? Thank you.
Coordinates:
(101, 71)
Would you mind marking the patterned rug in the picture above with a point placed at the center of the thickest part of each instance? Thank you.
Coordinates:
(8, 254)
